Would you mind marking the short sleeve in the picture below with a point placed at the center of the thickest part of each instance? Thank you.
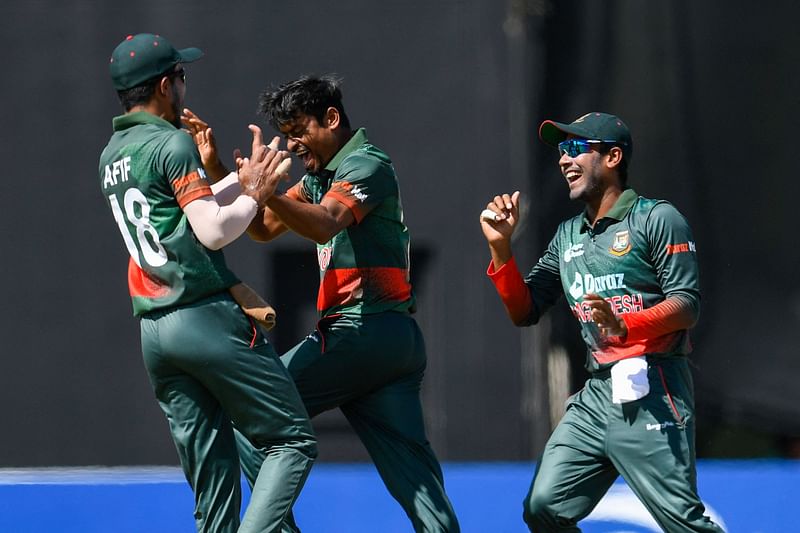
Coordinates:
(184, 170)
(673, 251)
(362, 183)
(298, 192)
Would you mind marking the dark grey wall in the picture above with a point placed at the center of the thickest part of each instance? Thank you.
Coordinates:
(710, 92)
(427, 80)
(453, 91)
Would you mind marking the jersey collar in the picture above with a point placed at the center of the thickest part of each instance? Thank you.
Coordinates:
(618, 211)
(129, 120)
(358, 138)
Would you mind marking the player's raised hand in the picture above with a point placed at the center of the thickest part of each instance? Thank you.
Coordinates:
(602, 315)
(258, 142)
(192, 121)
(206, 144)
(500, 217)
(260, 173)
(258, 137)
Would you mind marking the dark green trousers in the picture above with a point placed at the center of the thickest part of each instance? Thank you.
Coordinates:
(650, 442)
(211, 369)
(371, 368)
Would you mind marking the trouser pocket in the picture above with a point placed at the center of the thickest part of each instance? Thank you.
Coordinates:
(674, 399)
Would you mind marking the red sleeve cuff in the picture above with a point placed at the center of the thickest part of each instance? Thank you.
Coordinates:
(351, 203)
(295, 192)
(665, 317)
(512, 290)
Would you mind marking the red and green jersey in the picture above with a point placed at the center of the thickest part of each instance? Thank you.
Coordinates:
(148, 171)
(639, 253)
(364, 268)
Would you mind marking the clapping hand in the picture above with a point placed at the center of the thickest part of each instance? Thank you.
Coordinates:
(206, 144)
(260, 173)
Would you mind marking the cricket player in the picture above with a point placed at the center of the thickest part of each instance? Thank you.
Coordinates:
(209, 365)
(628, 270)
(366, 355)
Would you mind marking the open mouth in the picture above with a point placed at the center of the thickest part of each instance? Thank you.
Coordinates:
(305, 156)
(572, 175)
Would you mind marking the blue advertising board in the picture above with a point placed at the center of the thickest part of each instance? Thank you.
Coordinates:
(742, 496)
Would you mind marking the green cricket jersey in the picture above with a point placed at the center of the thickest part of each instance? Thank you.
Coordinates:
(638, 254)
(364, 268)
(148, 171)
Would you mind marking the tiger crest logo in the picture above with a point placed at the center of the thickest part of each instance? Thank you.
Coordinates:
(621, 244)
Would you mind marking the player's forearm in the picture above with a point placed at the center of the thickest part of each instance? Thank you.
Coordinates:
(513, 291)
(312, 221)
(501, 252)
(215, 171)
(216, 226)
(676, 313)
(266, 226)
(227, 189)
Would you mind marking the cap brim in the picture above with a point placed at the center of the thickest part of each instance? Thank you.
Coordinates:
(188, 55)
(552, 133)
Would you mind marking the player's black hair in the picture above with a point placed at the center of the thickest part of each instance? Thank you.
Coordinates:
(308, 95)
(142, 93)
(138, 95)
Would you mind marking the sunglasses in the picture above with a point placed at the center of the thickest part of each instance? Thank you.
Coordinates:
(575, 147)
(180, 73)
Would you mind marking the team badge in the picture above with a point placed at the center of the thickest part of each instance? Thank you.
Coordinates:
(621, 245)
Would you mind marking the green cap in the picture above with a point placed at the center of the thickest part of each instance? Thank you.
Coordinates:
(593, 126)
(144, 56)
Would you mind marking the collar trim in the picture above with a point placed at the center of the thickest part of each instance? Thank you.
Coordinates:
(129, 120)
(618, 211)
(358, 138)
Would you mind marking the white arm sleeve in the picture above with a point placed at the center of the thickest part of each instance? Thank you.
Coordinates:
(227, 189)
(216, 226)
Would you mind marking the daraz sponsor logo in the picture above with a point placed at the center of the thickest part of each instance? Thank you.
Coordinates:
(324, 256)
(585, 283)
(681, 248)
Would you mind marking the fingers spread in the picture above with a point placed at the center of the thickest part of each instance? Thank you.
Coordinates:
(192, 122)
